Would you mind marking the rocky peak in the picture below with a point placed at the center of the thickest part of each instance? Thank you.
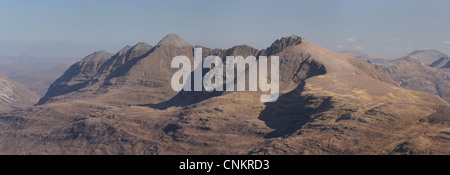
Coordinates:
(174, 40)
(427, 56)
(99, 55)
(124, 50)
(139, 49)
(243, 50)
(415, 52)
(282, 43)
(142, 46)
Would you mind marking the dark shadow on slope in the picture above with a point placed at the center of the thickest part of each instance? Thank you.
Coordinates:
(441, 116)
(57, 88)
(125, 68)
(292, 111)
(185, 98)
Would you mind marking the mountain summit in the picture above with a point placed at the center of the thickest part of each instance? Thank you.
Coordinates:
(173, 40)
(427, 57)
(282, 43)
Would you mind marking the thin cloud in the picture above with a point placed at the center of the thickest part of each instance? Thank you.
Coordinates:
(394, 39)
(340, 46)
(351, 39)
(446, 42)
(359, 47)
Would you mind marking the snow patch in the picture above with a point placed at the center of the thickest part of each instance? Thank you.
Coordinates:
(7, 91)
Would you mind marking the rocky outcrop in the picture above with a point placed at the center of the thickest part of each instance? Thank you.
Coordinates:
(281, 44)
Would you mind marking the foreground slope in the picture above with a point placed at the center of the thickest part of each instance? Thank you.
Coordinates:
(329, 104)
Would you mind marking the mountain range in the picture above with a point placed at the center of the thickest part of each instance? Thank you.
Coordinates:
(412, 73)
(374, 58)
(329, 103)
(430, 57)
(421, 70)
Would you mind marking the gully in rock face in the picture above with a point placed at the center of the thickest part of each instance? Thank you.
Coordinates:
(213, 80)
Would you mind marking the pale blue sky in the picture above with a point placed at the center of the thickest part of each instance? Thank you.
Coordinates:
(79, 27)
